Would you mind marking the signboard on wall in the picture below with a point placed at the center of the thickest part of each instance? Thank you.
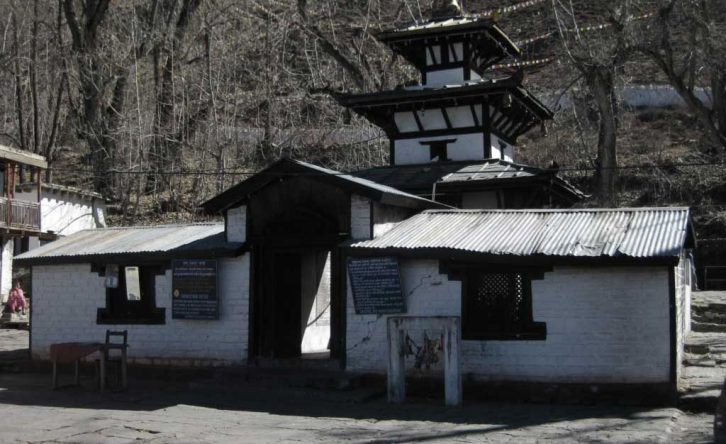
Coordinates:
(194, 289)
(376, 285)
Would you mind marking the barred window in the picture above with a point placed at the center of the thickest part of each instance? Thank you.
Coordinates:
(498, 305)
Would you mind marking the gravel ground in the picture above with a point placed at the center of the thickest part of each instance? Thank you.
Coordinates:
(206, 407)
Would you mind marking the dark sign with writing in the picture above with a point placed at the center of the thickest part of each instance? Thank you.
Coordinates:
(194, 289)
(376, 285)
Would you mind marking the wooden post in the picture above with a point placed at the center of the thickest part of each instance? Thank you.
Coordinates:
(103, 373)
(123, 368)
(396, 363)
(39, 181)
(452, 363)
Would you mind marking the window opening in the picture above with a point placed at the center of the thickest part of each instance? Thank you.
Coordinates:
(438, 149)
(499, 306)
(130, 295)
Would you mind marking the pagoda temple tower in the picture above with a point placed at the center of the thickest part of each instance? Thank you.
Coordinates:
(460, 115)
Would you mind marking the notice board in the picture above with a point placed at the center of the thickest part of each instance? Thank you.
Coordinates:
(194, 289)
(376, 285)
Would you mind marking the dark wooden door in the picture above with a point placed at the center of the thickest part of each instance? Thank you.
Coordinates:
(288, 305)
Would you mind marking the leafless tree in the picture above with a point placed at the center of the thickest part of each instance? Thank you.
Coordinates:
(687, 45)
(598, 58)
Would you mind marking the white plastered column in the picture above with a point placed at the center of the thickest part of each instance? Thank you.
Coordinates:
(6, 266)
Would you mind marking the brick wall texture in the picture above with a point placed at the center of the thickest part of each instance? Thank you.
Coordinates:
(66, 297)
(608, 325)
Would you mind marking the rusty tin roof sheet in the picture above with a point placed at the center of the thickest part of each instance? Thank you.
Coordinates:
(622, 232)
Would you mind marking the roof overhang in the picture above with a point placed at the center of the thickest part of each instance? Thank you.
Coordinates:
(139, 258)
(488, 39)
(530, 260)
(240, 193)
(23, 157)
(550, 179)
(510, 118)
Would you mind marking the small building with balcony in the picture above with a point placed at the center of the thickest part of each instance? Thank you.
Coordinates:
(33, 212)
(19, 212)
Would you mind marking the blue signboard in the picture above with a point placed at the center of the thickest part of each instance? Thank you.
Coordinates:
(194, 289)
(376, 285)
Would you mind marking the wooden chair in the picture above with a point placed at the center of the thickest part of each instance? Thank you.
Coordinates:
(115, 356)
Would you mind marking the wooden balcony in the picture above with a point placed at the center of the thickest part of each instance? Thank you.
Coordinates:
(19, 215)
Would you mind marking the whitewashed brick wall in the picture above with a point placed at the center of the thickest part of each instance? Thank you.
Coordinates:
(683, 307)
(64, 212)
(66, 298)
(360, 217)
(603, 325)
(237, 224)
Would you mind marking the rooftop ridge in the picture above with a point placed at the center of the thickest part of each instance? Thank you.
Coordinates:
(155, 226)
(557, 210)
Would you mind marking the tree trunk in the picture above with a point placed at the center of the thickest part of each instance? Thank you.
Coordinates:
(601, 84)
(718, 91)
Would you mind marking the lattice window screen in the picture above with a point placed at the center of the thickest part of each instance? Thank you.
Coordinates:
(499, 297)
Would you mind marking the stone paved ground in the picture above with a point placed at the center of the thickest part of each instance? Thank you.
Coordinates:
(178, 407)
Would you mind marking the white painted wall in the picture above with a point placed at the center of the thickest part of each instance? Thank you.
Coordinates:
(466, 147)
(6, 267)
(605, 325)
(237, 224)
(66, 298)
(360, 217)
(501, 149)
(682, 285)
(453, 76)
(65, 213)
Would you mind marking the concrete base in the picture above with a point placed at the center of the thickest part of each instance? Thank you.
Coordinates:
(450, 329)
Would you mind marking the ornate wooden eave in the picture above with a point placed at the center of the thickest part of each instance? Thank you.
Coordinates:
(489, 44)
(511, 109)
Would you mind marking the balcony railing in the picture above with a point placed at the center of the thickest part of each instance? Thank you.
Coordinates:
(19, 214)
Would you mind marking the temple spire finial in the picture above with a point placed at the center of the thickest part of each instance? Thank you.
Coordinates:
(446, 8)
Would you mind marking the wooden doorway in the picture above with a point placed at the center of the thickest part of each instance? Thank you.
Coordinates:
(286, 304)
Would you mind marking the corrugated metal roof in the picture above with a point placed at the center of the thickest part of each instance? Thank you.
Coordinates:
(623, 232)
(286, 167)
(491, 169)
(421, 177)
(129, 240)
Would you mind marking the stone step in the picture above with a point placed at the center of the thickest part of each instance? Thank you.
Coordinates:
(708, 327)
(717, 308)
(700, 388)
(696, 348)
(699, 360)
(700, 402)
(709, 316)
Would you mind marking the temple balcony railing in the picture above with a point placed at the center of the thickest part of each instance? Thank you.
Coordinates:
(19, 215)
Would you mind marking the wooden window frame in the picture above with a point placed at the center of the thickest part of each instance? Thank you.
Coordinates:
(526, 329)
(120, 310)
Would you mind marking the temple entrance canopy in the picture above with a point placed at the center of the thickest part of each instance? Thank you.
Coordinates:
(297, 218)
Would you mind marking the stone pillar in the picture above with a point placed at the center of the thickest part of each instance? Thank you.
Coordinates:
(396, 364)
(6, 266)
(452, 363)
(450, 326)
